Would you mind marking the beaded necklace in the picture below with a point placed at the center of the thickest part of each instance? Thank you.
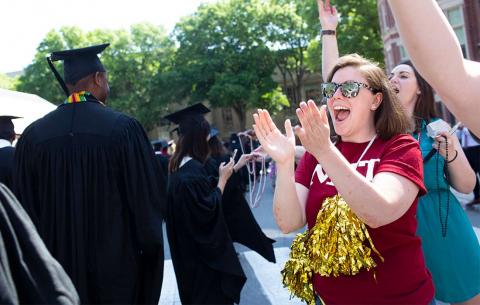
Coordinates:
(254, 193)
(443, 220)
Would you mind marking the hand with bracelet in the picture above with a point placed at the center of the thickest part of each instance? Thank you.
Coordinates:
(328, 16)
(447, 146)
(461, 174)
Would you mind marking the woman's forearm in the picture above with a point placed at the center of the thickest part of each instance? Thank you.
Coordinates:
(287, 209)
(329, 54)
(376, 204)
(462, 176)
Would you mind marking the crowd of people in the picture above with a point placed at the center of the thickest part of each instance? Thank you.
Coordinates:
(83, 194)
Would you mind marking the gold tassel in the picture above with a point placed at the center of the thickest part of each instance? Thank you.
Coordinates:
(297, 273)
(338, 244)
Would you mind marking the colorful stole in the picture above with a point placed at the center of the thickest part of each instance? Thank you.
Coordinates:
(78, 97)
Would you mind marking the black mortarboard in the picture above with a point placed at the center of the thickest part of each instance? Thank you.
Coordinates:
(7, 130)
(188, 117)
(77, 64)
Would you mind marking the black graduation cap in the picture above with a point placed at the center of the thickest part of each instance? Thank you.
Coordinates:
(77, 64)
(188, 117)
(6, 126)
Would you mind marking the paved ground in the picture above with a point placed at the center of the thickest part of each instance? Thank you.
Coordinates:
(263, 285)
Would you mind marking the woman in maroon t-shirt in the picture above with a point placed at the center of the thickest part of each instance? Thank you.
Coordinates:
(372, 174)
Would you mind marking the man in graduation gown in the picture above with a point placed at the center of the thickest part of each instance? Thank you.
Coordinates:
(7, 151)
(88, 177)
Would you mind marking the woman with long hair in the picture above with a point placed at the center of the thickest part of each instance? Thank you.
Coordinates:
(205, 262)
(357, 195)
(241, 223)
(442, 223)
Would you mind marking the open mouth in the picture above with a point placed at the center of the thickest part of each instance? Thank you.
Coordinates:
(396, 90)
(341, 113)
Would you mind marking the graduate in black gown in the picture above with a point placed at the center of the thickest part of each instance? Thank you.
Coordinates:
(206, 266)
(28, 273)
(7, 151)
(241, 223)
(88, 177)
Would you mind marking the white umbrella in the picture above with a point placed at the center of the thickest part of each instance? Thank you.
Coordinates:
(29, 107)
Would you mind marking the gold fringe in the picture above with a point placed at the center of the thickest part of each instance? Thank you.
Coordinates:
(338, 244)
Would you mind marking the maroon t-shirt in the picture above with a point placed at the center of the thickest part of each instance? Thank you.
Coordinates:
(403, 277)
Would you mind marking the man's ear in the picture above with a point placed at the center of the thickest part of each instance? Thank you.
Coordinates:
(97, 79)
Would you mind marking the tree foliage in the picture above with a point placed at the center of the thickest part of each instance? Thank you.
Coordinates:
(223, 56)
(7, 82)
(358, 30)
(226, 53)
(133, 60)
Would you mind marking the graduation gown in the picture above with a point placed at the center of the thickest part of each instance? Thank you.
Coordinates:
(163, 164)
(205, 262)
(241, 223)
(6, 164)
(88, 178)
(28, 273)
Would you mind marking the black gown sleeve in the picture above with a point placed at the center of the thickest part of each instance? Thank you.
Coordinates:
(145, 189)
(28, 273)
(240, 220)
(200, 205)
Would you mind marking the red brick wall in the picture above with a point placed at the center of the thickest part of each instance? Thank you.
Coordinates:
(472, 27)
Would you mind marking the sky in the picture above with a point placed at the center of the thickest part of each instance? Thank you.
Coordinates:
(24, 23)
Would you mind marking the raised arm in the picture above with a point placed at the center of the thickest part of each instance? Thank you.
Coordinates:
(290, 198)
(328, 20)
(436, 53)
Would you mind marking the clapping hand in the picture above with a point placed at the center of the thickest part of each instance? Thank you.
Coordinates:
(315, 130)
(278, 146)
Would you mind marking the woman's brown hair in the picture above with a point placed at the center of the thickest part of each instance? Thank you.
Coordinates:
(192, 142)
(390, 118)
(425, 104)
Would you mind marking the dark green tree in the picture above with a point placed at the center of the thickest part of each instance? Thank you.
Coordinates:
(358, 30)
(224, 57)
(133, 61)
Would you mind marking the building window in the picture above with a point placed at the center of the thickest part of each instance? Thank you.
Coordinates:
(390, 21)
(227, 117)
(455, 17)
(403, 53)
(390, 59)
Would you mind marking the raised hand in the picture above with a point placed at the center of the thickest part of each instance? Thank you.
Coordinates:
(443, 141)
(225, 170)
(328, 15)
(278, 146)
(244, 158)
(315, 131)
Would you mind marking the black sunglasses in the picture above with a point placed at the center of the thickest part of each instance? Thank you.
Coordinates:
(348, 89)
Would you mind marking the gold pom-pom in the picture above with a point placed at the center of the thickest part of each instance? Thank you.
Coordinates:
(297, 272)
(339, 242)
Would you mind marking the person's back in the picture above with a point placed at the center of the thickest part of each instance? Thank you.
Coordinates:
(7, 151)
(90, 182)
